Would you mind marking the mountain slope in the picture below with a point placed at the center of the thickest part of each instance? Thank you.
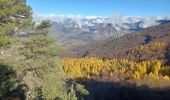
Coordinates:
(152, 42)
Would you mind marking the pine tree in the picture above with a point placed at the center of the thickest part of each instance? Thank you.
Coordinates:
(14, 15)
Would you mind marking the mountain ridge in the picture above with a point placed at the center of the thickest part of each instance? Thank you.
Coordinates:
(77, 30)
(124, 46)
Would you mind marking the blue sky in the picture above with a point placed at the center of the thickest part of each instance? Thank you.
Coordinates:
(101, 7)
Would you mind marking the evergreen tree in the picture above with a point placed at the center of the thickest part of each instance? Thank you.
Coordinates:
(43, 27)
(14, 15)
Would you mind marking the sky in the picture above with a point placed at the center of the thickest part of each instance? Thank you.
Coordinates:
(101, 7)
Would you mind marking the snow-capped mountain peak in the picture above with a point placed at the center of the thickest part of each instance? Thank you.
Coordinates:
(82, 29)
(119, 21)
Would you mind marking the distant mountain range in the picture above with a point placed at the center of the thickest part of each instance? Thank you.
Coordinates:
(75, 30)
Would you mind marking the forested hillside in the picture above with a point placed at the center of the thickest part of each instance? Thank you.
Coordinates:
(136, 63)
(123, 46)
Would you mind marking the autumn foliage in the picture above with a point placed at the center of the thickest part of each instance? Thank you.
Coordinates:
(115, 69)
(148, 51)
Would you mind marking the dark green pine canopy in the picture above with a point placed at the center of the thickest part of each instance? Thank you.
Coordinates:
(14, 15)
